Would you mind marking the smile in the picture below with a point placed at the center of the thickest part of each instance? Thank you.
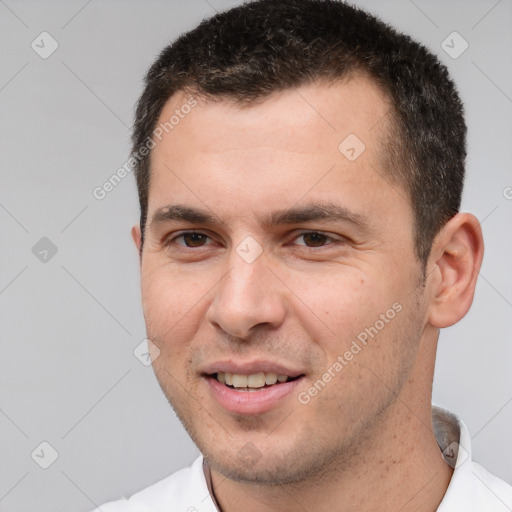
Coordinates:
(251, 394)
(251, 382)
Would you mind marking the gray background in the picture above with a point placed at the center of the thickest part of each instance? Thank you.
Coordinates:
(70, 323)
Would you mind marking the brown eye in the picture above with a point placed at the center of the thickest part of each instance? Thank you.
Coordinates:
(192, 239)
(315, 239)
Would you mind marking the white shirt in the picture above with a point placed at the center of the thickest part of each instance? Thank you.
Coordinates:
(471, 488)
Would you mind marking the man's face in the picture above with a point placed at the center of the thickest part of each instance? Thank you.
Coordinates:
(264, 284)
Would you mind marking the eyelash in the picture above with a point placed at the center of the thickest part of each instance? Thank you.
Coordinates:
(172, 240)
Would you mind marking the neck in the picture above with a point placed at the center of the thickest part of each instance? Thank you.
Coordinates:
(397, 465)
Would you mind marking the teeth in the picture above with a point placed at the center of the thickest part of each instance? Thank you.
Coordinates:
(239, 381)
(255, 380)
(270, 378)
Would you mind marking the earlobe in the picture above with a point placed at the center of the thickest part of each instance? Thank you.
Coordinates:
(136, 236)
(456, 259)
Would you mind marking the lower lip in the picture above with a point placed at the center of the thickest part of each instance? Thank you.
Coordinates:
(251, 402)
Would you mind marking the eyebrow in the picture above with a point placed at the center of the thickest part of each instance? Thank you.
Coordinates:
(325, 211)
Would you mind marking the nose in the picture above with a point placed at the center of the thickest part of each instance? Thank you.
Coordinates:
(247, 298)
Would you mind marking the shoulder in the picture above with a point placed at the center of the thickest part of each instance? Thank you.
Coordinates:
(183, 491)
(490, 490)
(472, 488)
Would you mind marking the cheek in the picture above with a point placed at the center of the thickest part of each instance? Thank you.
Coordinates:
(172, 303)
(338, 306)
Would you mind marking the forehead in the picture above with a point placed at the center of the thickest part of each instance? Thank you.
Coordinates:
(293, 119)
(319, 139)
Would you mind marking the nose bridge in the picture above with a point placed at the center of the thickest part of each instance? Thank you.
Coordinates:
(248, 294)
(248, 272)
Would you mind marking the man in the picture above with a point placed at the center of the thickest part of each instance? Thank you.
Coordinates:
(300, 168)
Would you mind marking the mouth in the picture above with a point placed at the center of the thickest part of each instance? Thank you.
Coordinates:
(252, 382)
(254, 392)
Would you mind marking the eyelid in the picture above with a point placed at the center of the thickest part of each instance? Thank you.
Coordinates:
(333, 238)
(172, 238)
(330, 236)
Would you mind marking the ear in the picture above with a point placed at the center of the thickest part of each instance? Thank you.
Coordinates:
(137, 238)
(454, 263)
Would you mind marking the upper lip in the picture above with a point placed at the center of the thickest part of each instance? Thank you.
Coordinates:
(250, 368)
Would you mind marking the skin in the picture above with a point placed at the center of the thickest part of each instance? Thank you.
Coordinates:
(365, 441)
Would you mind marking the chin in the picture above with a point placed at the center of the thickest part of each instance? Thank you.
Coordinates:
(264, 471)
(276, 464)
